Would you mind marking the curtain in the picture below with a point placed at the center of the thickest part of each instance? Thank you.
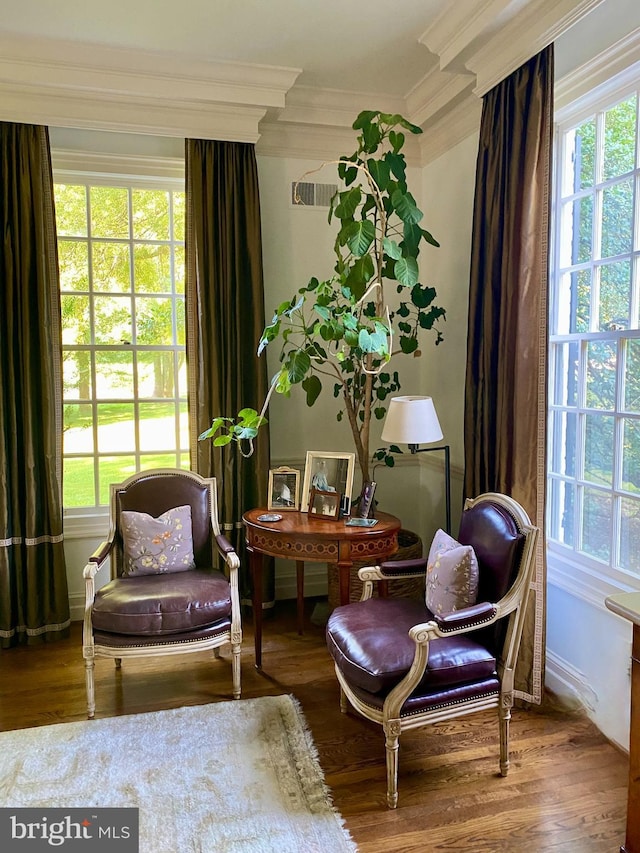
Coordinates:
(34, 602)
(225, 319)
(505, 392)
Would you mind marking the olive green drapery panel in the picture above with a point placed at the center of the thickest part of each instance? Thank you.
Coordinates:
(225, 319)
(34, 603)
(505, 394)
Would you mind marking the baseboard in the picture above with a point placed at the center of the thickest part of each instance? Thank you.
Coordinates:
(569, 685)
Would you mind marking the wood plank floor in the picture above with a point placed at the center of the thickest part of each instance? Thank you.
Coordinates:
(566, 789)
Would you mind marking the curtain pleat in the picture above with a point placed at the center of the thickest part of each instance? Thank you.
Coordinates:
(34, 602)
(506, 380)
(225, 319)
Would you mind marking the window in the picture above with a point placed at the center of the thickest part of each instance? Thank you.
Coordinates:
(594, 357)
(121, 258)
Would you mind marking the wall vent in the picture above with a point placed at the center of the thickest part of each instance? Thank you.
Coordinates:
(304, 194)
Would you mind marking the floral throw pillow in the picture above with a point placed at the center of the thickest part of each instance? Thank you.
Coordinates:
(452, 575)
(156, 545)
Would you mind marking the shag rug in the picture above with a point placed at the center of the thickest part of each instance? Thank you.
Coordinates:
(229, 777)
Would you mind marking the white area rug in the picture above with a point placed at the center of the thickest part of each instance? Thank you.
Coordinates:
(230, 777)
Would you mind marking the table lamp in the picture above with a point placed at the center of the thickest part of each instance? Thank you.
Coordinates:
(413, 421)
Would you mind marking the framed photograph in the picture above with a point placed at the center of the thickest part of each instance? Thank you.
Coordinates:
(284, 489)
(324, 505)
(366, 499)
(327, 472)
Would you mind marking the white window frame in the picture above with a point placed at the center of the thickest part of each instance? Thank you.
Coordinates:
(95, 169)
(576, 572)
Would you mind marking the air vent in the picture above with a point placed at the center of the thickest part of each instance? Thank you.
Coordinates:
(312, 195)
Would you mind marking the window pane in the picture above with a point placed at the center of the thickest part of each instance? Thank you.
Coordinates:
(78, 428)
(76, 372)
(113, 320)
(150, 214)
(630, 535)
(585, 145)
(615, 296)
(152, 268)
(577, 231)
(179, 269)
(563, 426)
(619, 139)
(157, 426)
(73, 262)
(565, 376)
(601, 374)
(114, 375)
(562, 500)
(631, 456)
(184, 425)
(113, 469)
(109, 212)
(111, 267)
(596, 532)
(574, 302)
(154, 321)
(182, 376)
(71, 210)
(155, 375)
(179, 216)
(598, 455)
(632, 377)
(617, 219)
(116, 428)
(77, 484)
(76, 320)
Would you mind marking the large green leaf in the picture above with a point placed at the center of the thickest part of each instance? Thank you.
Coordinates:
(406, 271)
(397, 164)
(405, 206)
(349, 201)
(364, 118)
(360, 235)
(312, 386)
(391, 248)
(380, 172)
(298, 366)
(422, 296)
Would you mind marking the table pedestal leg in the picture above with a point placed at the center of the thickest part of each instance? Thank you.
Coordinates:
(300, 594)
(255, 564)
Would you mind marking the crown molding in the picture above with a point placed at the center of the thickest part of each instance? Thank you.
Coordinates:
(436, 91)
(453, 127)
(459, 25)
(538, 24)
(602, 69)
(92, 86)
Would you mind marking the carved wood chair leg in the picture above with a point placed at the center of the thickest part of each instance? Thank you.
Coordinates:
(118, 663)
(344, 704)
(504, 714)
(89, 666)
(235, 668)
(392, 742)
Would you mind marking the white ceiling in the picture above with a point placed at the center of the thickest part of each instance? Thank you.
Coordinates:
(288, 74)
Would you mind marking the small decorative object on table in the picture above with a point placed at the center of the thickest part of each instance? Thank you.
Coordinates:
(324, 505)
(284, 488)
(366, 499)
(327, 471)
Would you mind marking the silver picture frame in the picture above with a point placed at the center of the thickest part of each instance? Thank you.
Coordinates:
(327, 471)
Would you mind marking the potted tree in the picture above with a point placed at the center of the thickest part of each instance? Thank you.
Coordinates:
(343, 330)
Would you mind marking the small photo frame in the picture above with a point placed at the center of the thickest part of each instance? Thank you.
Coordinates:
(366, 499)
(327, 472)
(324, 506)
(284, 489)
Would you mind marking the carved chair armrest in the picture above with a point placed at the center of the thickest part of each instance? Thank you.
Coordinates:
(227, 552)
(391, 569)
(96, 560)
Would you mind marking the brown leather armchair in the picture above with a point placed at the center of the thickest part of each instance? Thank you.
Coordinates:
(190, 609)
(404, 667)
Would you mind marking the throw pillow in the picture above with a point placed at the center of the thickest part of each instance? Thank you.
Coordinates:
(156, 545)
(452, 575)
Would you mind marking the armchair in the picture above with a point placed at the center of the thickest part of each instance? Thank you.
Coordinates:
(402, 666)
(165, 595)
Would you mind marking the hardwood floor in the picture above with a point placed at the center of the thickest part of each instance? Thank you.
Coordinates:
(566, 789)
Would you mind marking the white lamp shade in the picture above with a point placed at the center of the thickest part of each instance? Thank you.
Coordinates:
(411, 420)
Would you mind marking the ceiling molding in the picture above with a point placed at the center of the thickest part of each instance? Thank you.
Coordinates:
(68, 164)
(435, 92)
(458, 26)
(538, 24)
(453, 127)
(129, 115)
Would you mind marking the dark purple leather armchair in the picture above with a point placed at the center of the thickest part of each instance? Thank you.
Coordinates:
(168, 613)
(404, 667)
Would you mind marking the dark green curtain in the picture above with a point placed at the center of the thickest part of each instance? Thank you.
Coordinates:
(505, 394)
(34, 602)
(225, 319)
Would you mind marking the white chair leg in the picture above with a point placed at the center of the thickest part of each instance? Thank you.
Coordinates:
(235, 669)
(344, 704)
(392, 742)
(504, 714)
(216, 653)
(89, 666)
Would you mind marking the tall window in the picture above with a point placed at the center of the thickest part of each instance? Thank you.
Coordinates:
(121, 256)
(594, 453)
